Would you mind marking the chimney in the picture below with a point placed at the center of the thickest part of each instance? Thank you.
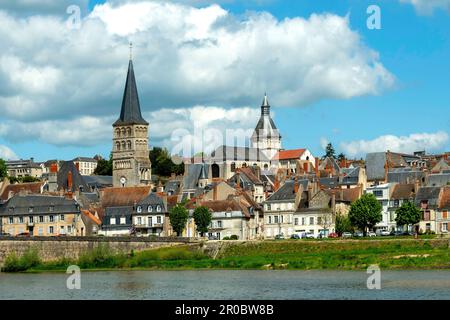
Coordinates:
(77, 165)
(276, 184)
(54, 168)
(165, 202)
(160, 187)
(296, 184)
(386, 170)
(69, 181)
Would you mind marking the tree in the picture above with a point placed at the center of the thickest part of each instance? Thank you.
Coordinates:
(341, 157)
(202, 218)
(178, 216)
(3, 169)
(329, 151)
(162, 163)
(365, 212)
(104, 167)
(408, 214)
(28, 179)
(343, 224)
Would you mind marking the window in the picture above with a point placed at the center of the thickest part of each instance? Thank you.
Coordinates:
(112, 221)
(41, 219)
(20, 219)
(51, 218)
(276, 219)
(303, 221)
(444, 227)
(378, 193)
(311, 220)
(158, 219)
(139, 220)
(396, 203)
(61, 230)
(61, 217)
(149, 209)
(319, 220)
(11, 220)
(219, 224)
(30, 219)
(40, 231)
(139, 209)
(270, 219)
(123, 220)
(50, 230)
(268, 207)
(158, 208)
(30, 209)
(281, 219)
(296, 221)
(51, 208)
(69, 229)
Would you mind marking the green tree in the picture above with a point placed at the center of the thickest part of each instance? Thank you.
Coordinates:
(178, 217)
(365, 212)
(341, 157)
(162, 163)
(104, 167)
(343, 224)
(3, 169)
(329, 151)
(202, 218)
(28, 179)
(408, 214)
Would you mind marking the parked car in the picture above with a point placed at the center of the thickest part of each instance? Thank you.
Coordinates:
(384, 233)
(5, 234)
(295, 236)
(333, 235)
(279, 236)
(23, 234)
(309, 235)
(212, 238)
(346, 235)
(358, 234)
(371, 234)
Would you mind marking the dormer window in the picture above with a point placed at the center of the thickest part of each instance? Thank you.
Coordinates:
(158, 208)
(30, 209)
(139, 209)
(150, 209)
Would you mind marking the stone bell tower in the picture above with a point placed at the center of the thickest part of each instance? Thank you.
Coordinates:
(131, 163)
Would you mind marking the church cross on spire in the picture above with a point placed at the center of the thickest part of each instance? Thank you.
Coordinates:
(131, 50)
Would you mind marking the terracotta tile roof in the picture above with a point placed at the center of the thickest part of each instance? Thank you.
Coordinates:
(123, 197)
(445, 198)
(226, 205)
(289, 154)
(250, 175)
(345, 195)
(91, 216)
(32, 188)
(403, 191)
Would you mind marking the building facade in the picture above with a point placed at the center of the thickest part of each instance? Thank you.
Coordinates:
(86, 166)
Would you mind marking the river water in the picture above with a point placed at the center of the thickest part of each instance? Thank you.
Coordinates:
(228, 285)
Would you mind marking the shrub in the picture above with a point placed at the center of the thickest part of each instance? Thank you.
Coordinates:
(226, 238)
(234, 237)
(28, 260)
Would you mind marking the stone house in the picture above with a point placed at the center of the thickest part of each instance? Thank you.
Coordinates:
(427, 199)
(442, 214)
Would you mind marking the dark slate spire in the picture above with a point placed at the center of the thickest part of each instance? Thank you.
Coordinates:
(131, 110)
(265, 125)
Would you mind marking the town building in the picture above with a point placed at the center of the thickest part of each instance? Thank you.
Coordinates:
(427, 199)
(24, 168)
(442, 214)
(149, 216)
(383, 193)
(86, 166)
(296, 159)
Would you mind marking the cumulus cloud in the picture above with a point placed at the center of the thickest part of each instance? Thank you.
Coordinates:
(7, 154)
(428, 6)
(47, 7)
(183, 55)
(406, 144)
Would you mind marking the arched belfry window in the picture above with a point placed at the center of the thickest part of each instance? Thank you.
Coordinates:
(129, 132)
(129, 144)
(118, 146)
(123, 145)
(215, 170)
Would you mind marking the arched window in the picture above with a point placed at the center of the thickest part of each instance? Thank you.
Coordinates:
(150, 209)
(123, 132)
(123, 145)
(233, 166)
(215, 170)
(139, 209)
(158, 208)
(129, 144)
(117, 132)
(118, 146)
(129, 132)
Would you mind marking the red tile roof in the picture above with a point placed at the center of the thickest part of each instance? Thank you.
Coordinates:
(33, 188)
(289, 154)
(122, 197)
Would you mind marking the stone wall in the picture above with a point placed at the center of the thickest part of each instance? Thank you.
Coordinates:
(51, 248)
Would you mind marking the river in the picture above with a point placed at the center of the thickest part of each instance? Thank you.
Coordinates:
(228, 285)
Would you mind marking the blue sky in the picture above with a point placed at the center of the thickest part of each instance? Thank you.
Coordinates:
(412, 45)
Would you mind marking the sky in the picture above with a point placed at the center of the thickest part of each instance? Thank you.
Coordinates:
(202, 68)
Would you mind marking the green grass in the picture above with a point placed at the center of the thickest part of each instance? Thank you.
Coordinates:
(283, 254)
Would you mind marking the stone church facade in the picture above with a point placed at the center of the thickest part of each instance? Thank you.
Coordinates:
(130, 154)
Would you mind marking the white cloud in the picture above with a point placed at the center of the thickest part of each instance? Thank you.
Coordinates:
(428, 6)
(54, 7)
(405, 144)
(7, 154)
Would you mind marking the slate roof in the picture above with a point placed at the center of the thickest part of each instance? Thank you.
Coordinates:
(117, 212)
(428, 193)
(41, 204)
(438, 180)
(85, 159)
(331, 163)
(130, 112)
(328, 182)
(375, 163)
(351, 176)
(403, 191)
(231, 153)
(77, 180)
(98, 181)
(173, 185)
(265, 126)
(152, 200)
(441, 166)
(286, 191)
(190, 180)
(403, 176)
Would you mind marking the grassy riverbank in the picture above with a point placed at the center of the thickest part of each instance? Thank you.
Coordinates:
(301, 255)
